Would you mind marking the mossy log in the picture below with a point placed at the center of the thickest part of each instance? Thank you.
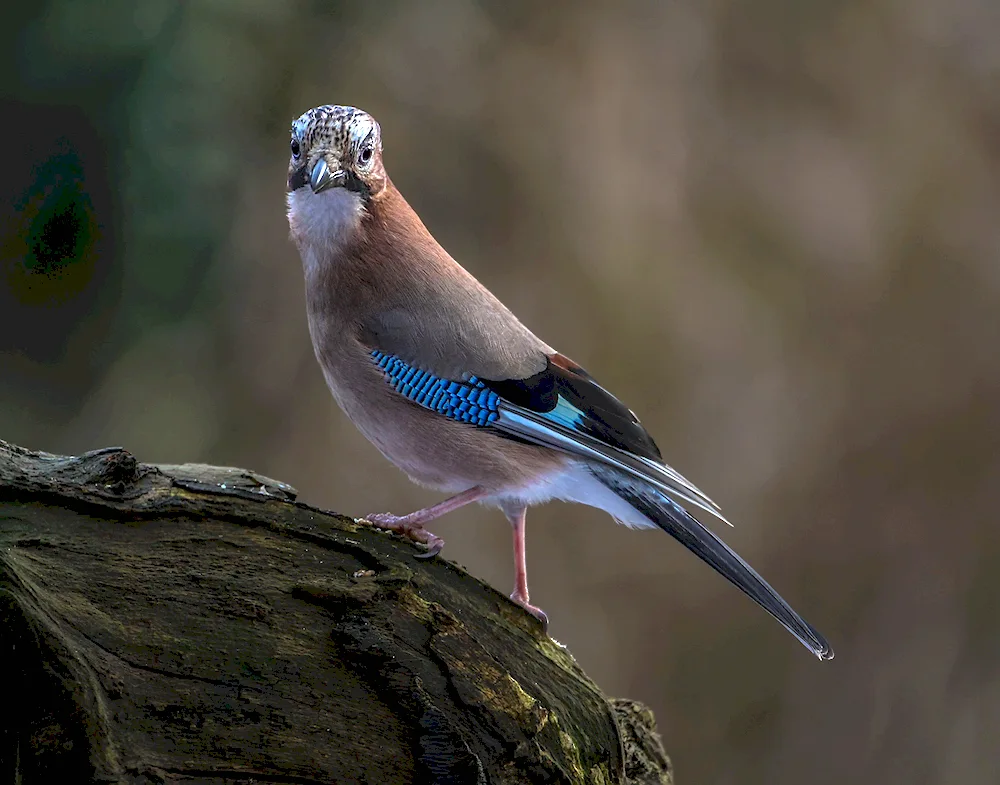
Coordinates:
(198, 624)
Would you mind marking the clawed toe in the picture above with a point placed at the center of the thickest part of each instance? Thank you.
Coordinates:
(434, 546)
(384, 520)
(414, 532)
(534, 610)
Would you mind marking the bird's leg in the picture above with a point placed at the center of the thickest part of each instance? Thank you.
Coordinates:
(520, 593)
(412, 525)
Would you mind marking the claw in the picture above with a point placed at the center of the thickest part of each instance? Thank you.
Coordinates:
(415, 532)
(534, 610)
(433, 550)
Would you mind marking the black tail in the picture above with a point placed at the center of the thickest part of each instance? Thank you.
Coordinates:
(681, 525)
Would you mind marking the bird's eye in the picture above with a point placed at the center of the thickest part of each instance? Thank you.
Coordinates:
(296, 149)
(366, 155)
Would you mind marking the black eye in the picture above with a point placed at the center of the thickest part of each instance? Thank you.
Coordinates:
(366, 154)
(296, 150)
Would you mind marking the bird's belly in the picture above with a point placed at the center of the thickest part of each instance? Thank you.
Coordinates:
(434, 450)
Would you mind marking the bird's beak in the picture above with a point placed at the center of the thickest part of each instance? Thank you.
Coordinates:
(322, 177)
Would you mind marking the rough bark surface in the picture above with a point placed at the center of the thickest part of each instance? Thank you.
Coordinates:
(197, 624)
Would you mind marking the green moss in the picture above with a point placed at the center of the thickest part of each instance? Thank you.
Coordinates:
(416, 605)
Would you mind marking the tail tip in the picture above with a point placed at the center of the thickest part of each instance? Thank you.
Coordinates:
(822, 651)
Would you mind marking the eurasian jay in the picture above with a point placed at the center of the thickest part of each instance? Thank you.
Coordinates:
(446, 382)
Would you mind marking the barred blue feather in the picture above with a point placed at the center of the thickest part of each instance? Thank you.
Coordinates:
(468, 401)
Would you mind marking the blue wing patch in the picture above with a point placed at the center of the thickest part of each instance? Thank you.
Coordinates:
(468, 401)
(566, 414)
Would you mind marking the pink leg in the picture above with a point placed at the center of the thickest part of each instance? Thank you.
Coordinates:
(520, 594)
(412, 525)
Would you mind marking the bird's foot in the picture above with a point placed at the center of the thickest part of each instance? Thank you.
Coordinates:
(534, 610)
(410, 528)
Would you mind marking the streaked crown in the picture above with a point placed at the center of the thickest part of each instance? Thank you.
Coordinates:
(337, 127)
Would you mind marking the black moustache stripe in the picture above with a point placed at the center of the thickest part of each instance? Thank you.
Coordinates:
(298, 178)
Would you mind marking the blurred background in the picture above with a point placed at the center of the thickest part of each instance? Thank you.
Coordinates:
(772, 228)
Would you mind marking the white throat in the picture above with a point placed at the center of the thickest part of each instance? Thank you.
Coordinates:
(323, 222)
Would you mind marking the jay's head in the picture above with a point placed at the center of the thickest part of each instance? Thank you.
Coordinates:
(333, 148)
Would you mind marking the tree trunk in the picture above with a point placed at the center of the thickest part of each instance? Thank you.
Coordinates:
(195, 623)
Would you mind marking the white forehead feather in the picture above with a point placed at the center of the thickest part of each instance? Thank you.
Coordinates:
(340, 127)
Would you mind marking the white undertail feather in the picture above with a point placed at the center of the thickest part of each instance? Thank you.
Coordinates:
(534, 427)
(576, 483)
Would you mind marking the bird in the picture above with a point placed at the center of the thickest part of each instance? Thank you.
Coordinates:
(453, 389)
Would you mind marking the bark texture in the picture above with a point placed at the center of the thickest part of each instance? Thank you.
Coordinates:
(197, 624)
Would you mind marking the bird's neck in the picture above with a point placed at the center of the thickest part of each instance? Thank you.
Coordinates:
(351, 248)
(334, 223)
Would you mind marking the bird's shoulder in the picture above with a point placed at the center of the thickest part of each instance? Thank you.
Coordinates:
(430, 311)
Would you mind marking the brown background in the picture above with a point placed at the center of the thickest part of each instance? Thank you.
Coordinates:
(772, 228)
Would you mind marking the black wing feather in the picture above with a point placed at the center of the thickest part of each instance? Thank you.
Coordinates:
(602, 416)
